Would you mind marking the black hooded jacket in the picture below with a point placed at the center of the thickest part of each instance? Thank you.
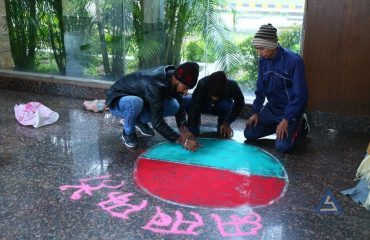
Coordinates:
(153, 86)
(201, 97)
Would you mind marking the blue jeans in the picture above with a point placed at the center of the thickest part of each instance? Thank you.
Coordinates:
(222, 109)
(267, 124)
(131, 109)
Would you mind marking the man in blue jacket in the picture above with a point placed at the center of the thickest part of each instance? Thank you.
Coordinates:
(281, 80)
(149, 95)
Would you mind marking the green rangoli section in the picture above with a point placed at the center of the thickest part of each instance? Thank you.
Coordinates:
(222, 154)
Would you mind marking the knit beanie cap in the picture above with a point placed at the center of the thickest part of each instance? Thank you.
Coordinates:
(216, 85)
(187, 73)
(266, 37)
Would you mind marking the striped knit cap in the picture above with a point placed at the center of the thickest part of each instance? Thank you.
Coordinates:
(266, 37)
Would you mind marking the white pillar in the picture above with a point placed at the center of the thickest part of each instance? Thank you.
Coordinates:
(154, 25)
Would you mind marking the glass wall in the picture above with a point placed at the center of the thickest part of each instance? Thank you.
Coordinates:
(107, 39)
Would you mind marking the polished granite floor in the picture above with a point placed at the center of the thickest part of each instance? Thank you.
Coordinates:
(54, 181)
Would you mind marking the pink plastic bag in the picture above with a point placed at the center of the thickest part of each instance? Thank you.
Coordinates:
(35, 114)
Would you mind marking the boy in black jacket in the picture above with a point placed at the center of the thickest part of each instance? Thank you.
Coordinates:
(149, 95)
(215, 95)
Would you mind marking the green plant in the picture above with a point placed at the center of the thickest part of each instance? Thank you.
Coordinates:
(184, 19)
(196, 51)
(289, 37)
(22, 22)
(35, 25)
(45, 63)
(246, 73)
(51, 31)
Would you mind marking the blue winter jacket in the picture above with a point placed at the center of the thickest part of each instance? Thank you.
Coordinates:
(282, 81)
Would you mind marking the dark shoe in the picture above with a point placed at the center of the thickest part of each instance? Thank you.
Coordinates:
(130, 140)
(145, 129)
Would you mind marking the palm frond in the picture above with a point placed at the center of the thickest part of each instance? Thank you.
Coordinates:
(149, 49)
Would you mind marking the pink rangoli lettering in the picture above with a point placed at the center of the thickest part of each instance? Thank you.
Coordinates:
(117, 205)
(162, 223)
(248, 225)
(85, 188)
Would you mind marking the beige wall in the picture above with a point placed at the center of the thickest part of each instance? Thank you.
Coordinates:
(6, 61)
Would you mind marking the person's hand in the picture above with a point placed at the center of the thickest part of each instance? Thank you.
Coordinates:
(187, 135)
(226, 131)
(190, 144)
(252, 121)
(282, 129)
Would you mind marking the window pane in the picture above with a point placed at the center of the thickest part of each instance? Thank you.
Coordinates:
(107, 39)
(245, 17)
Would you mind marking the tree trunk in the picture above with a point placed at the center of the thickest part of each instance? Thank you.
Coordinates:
(32, 35)
(57, 37)
(118, 53)
(103, 45)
